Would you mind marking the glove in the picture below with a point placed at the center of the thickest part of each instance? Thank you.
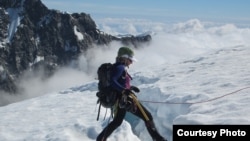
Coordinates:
(127, 92)
(135, 89)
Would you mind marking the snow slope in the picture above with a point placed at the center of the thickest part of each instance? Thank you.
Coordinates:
(166, 90)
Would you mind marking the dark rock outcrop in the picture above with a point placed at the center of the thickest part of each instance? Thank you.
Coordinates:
(33, 36)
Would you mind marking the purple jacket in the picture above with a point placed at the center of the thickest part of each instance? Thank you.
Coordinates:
(120, 79)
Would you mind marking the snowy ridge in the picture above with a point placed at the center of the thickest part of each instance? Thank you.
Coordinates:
(139, 35)
(70, 115)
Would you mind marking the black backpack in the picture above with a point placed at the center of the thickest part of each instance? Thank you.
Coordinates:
(106, 94)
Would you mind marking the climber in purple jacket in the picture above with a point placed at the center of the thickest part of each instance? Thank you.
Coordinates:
(120, 81)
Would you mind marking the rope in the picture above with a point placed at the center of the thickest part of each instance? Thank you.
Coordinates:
(209, 100)
(140, 107)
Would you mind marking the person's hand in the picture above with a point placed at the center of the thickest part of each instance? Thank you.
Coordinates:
(135, 89)
(127, 92)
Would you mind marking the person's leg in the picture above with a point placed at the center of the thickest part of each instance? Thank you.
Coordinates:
(117, 121)
(149, 123)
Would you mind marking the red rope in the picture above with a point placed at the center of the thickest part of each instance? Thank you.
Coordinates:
(209, 100)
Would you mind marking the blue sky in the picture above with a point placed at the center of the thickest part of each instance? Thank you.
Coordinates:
(158, 9)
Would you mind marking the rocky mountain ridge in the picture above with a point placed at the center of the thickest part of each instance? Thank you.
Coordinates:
(35, 37)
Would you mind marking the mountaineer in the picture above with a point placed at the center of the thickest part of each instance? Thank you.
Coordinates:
(126, 99)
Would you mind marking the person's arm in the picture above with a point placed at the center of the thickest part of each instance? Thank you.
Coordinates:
(117, 73)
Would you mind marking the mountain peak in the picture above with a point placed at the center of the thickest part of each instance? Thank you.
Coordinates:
(29, 30)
